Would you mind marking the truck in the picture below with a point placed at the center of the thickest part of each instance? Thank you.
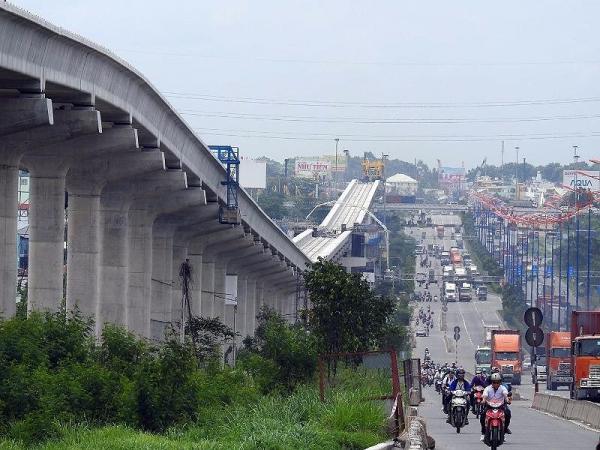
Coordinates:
(456, 259)
(450, 292)
(558, 359)
(482, 293)
(506, 354)
(440, 231)
(465, 292)
(539, 365)
(487, 333)
(483, 358)
(445, 258)
(585, 354)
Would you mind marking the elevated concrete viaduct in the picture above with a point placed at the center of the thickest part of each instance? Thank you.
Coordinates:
(136, 191)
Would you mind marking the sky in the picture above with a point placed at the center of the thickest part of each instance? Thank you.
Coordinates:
(425, 79)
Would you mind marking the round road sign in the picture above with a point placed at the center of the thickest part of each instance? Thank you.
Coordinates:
(534, 336)
(457, 329)
(533, 317)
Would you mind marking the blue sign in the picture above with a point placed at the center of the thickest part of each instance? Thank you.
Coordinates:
(571, 271)
(519, 270)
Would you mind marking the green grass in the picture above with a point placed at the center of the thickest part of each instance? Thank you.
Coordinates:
(347, 420)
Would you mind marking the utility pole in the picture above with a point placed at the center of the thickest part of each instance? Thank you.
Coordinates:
(337, 141)
(502, 158)
(517, 175)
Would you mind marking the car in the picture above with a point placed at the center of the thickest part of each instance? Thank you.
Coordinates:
(422, 331)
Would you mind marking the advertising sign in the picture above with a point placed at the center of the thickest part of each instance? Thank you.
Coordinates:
(452, 175)
(253, 174)
(312, 168)
(585, 179)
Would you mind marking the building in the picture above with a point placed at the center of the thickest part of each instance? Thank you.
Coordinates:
(401, 188)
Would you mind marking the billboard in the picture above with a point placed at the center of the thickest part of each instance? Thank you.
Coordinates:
(584, 179)
(253, 174)
(312, 168)
(452, 175)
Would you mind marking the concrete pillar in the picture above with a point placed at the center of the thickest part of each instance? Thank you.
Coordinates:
(179, 256)
(139, 272)
(46, 239)
(195, 257)
(162, 274)
(260, 295)
(251, 309)
(9, 179)
(83, 252)
(242, 305)
(114, 256)
(208, 288)
(219, 290)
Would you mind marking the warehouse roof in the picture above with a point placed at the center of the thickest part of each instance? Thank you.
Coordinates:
(400, 178)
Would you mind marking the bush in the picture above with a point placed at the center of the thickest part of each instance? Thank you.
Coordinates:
(280, 355)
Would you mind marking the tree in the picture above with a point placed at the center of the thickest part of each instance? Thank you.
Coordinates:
(346, 315)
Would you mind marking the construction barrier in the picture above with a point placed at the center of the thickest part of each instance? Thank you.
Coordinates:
(580, 410)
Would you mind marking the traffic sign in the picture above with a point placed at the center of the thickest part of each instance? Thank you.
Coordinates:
(533, 317)
(456, 335)
(534, 336)
(456, 329)
(571, 271)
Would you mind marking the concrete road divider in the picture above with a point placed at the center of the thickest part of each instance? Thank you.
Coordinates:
(579, 410)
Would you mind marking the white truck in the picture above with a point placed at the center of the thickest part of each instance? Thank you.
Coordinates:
(450, 293)
(465, 292)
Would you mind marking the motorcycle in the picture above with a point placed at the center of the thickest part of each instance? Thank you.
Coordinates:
(477, 400)
(438, 386)
(494, 424)
(458, 409)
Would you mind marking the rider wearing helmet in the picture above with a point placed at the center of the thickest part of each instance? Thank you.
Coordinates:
(460, 384)
(448, 379)
(496, 391)
(478, 380)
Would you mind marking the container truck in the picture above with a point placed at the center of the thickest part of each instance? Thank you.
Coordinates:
(558, 359)
(585, 354)
(506, 354)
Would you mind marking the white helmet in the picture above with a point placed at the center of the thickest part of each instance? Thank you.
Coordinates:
(495, 377)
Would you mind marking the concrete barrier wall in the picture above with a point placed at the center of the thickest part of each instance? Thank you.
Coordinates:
(580, 410)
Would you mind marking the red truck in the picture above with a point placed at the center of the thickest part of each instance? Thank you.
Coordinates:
(585, 354)
(558, 359)
(506, 354)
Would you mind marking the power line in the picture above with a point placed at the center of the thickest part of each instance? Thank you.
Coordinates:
(344, 104)
(363, 120)
(375, 138)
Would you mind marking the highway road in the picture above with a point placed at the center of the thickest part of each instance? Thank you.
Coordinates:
(531, 429)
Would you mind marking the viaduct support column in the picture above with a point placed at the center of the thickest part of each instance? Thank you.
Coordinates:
(195, 257)
(207, 298)
(113, 277)
(46, 239)
(251, 309)
(179, 256)
(219, 290)
(9, 179)
(162, 273)
(242, 305)
(83, 234)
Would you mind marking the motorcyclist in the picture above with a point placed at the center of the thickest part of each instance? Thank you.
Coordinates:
(496, 391)
(448, 379)
(493, 370)
(478, 380)
(459, 383)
